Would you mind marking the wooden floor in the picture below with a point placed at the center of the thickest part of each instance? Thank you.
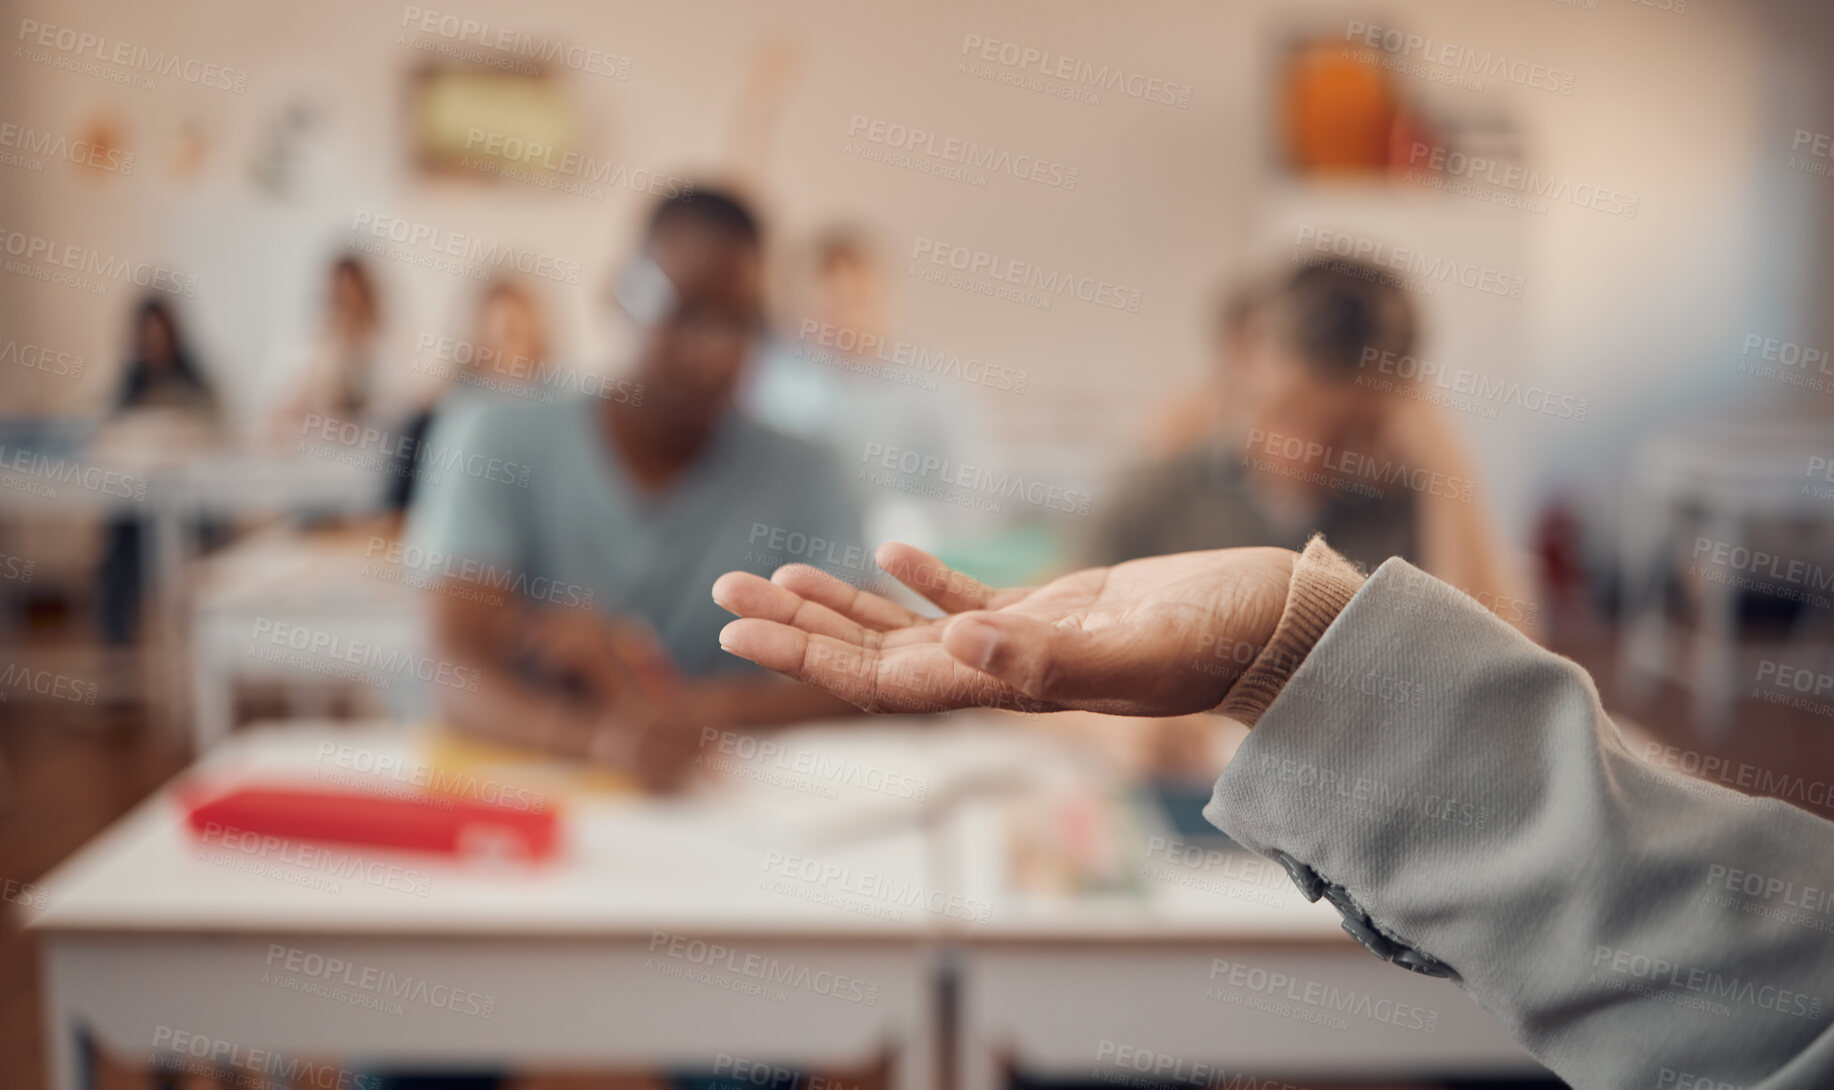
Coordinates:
(69, 770)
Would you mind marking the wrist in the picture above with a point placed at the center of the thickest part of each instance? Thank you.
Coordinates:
(1321, 583)
(1250, 614)
(1280, 578)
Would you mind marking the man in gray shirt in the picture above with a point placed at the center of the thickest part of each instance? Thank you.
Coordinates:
(569, 545)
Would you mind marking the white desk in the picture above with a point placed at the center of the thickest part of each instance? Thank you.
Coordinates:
(169, 491)
(1060, 985)
(141, 932)
(45, 474)
(337, 585)
(236, 485)
(1732, 476)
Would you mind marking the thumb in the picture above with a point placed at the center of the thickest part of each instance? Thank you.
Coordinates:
(1041, 660)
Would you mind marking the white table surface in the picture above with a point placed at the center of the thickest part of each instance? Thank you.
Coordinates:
(142, 935)
(1087, 987)
(141, 932)
(340, 584)
(627, 864)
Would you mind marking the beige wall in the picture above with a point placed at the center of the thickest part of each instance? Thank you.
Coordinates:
(1690, 111)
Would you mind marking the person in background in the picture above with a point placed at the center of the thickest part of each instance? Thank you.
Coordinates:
(161, 371)
(830, 375)
(507, 351)
(1188, 420)
(801, 386)
(1307, 445)
(832, 379)
(509, 341)
(341, 375)
(162, 395)
(574, 579)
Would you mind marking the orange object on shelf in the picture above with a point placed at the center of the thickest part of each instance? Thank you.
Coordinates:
(1339, 113)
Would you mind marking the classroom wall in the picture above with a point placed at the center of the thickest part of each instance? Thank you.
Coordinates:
(1644, 316)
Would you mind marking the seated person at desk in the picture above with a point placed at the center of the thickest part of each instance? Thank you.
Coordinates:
(575, 582)
(1187, 418)
(339, 375)
(1307, 447)
(833, 379)
(501, 361)
(164, 406)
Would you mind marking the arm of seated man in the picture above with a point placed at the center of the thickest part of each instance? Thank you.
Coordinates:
(487, 636)
(603, 688)
(761, 702)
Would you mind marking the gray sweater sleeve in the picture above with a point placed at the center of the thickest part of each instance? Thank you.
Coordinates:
(1461, 790)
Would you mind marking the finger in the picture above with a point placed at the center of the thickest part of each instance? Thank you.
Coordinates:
(915, 679)
(861, 606)
(845, 669)
(751, 596)
(1111, 669)
(933, 579)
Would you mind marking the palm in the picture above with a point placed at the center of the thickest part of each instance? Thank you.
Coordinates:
(1161, 636)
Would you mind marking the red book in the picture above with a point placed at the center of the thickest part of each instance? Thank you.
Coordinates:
(425, 823)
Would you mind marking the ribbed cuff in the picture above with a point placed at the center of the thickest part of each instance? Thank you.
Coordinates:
(1323, 584)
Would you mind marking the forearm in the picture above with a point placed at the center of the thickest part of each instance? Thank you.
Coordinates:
(502, 706)
(1464, 791)
(505, 709)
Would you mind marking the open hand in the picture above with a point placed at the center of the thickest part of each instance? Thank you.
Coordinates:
(1166, 635)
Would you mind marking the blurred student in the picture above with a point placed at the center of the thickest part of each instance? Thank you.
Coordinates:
(1188, 419)
(163, 404)
(1316, 439)
(801, 385)
(509, 343)
(506, 352)
(835, 378)
(341, 374)
(161, 372)
(573, 569)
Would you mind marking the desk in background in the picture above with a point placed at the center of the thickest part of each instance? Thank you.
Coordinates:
(336, 585)
(147, 933)
(889, 855)
(1211, 958)
(170, 492)
(1726, 479)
